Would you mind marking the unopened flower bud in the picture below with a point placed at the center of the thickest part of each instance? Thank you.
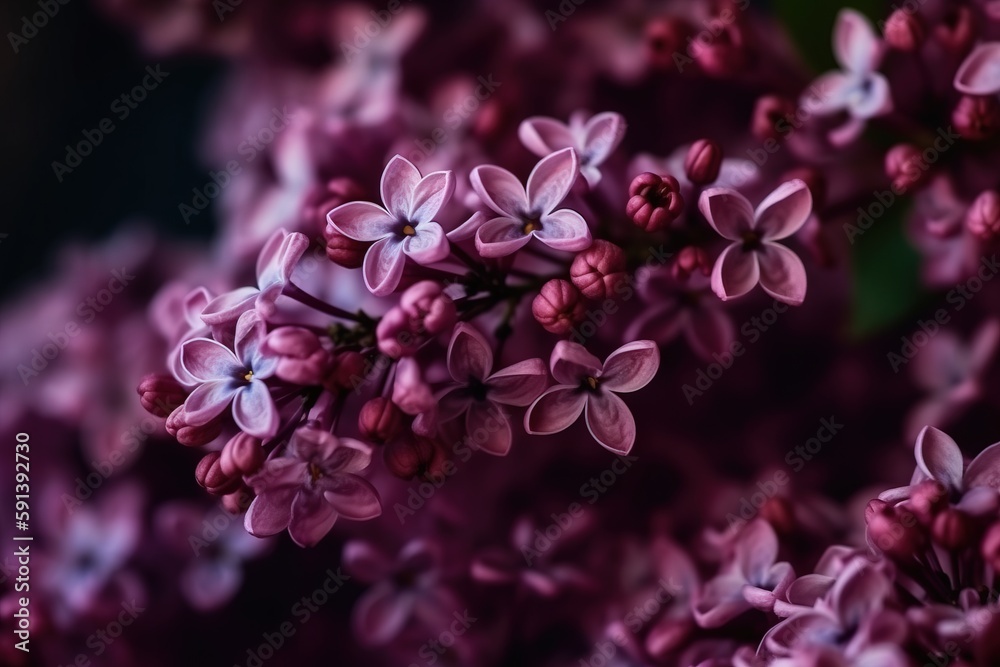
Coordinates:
(558, 307)
(160, 394)
(690, 259)
(301, 357)
(720, 49)
(896, 532)
(770, 116)
(424, 310)
(780, 513)
(663, 38)
(976, 118)
(654, 201)
(210, 476)
(325, 197)
(347, 370)
(953, 529)
(990, 548)
(188, 434)
(413, 457)
(242, 455)
(927, 499)
(983, 218)
(379, 420)
(904, 30)
(599, 270)
(703, 161)
(873, 507)
(343, 250)
(956, 32)
(904, 166)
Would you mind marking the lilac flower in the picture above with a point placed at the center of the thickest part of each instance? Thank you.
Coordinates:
(527, 213)
(754, 256)
(587, 385)
(404, 228)
(275, 263)
(593, 139)
(312, 483)
(858, 88)
(405, 589)
(236, 377)
(751, 579)
(979, 73)
(480, 394)
(733, 172)
(192, 326)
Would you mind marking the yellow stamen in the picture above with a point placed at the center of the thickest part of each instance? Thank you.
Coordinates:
(592, 381)
(248, 376)
(530, 226)
(314, 471)
(408, 230)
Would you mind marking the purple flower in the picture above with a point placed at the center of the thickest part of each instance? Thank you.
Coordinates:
(275, 264)
(526, 213)
(751, 579)
(594, 139)
(236, 377)
(754, 256)
(587, 385)
(310, 485)
(979, 73)
(858, 88)
(405, 589)
(479, 394)
(404, 228)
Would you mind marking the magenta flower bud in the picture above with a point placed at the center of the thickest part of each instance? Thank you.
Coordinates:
(904, 30)
(953, 529)
(771, 114)
(927, 499)
(242, 455)
(874, 507)
(689, 260)
(664, 37)
(780, 513)
(990, 548)
(326, 197)
(347, 370)
(210, 476)
(720, 48)
(301, 357)
(189, 435)
(160, 394)
(897, 533)
(599, 270)
(654, 201)
(424, 310)
(904, 166)
(379, 420)
(558, 307)
(703, 161)
(983, 217)
(344, 251)
(413, 457)
(976, 118)
(956, 31)
(237, 502)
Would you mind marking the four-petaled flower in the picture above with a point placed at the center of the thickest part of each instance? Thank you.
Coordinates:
(858, 88)
(526, 213)
(236, 377)
(310, 485)
(404, 228)
(754, 256)
(593, 139)
(480, 394)
(587, 385)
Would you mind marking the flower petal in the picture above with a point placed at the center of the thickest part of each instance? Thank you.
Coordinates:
(729, 212)
(502, 236)
(603, 134)
(383, 266)
(564, 229)
(571, 363)
(542, 135)
(206, 360)
(519, 384)
(362, 221)
(631, 367)
(270, 512)
(555, 410)
(709, 331)
(551, 180)
(782, 274)
(251, 331)
(352, 496)
(939, 457)
(432, 192)
(855, 44)
(228, 307)
(872, 97)
(979, 73)
(984, 469)
(500, 190)
(254, 411)
(610, 422)
(720, 601)
(735, 273)
(209, 400)
(275, 265)
(470, 357)
(784, 211)
(488, 428)
(398, 184)
(365, 562)
(756, 550)
(828, 94)
(381, 614)
(312, 518)
(428, 245)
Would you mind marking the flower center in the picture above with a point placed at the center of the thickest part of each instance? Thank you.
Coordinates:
(751, 240)
(409, 230)
(531, 225)
(248, 376)
(591, 383)
(314, 472)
